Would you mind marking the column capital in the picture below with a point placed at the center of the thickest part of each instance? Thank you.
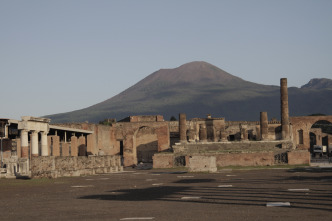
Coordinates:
(35, 131)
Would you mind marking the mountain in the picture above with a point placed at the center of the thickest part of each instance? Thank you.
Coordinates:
(197, 89)
(318, 83)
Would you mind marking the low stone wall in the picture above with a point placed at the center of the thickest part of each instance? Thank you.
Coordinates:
(201, 163)
(163, 160)
(74, 166)
(232, 147)
(245, 159)
(298, 157)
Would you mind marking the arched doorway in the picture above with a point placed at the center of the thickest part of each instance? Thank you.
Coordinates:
(146, 144)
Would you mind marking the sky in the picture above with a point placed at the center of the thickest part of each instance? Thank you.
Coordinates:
(64, 55)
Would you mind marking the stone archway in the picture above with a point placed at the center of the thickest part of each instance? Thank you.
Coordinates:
(145, 144)
(303, 129)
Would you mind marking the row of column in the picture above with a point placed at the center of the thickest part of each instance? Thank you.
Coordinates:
(203, 133)
(44, 145)
(34, 143)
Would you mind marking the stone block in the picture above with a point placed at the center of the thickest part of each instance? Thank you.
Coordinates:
(163, 160)
(298, 157)
(202, 163)
(245, 159)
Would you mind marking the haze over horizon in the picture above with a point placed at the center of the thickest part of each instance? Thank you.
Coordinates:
(60, 56)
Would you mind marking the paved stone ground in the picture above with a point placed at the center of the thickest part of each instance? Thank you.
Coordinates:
(172, 195)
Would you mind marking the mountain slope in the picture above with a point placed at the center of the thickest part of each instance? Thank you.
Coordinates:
(198, 88)
(319, 83)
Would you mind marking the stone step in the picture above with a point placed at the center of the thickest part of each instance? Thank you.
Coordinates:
(3, 170)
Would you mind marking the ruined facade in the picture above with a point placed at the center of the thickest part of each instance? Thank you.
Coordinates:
(33, 144)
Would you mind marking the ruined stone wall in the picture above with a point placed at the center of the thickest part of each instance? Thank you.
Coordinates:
(163, 160)
(233, 147)
(298, 157)
(74, 166)
(6, 148)
(147, 136)
(148, 118)
(245, 159)
(243, 153)
(303, 125)
(75, 147)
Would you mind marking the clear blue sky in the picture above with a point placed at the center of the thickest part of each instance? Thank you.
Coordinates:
(63, 55)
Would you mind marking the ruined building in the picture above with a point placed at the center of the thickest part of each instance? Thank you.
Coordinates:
(34, 147)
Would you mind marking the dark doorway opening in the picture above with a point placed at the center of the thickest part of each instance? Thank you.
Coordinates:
(121, 151)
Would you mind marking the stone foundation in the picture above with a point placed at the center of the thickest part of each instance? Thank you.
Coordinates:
(201, 163)
(163, 161)
(54, 167)
(298, 157)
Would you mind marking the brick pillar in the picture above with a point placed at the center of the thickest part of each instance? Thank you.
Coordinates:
(24, 144)
(65, 149)
(90, 144)
(74, 146)
(284, 109)
(183, 127)
(56, 146)
(264, 126)
(202, 133)
(49, 145)
(81, 146)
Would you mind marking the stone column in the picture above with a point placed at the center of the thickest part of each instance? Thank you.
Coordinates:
(264, 126)
(44, 146)
(24, 144)
(183, 127)
(244, 134)
(34, 144)
(223, 135)
(202, 133)
(284, 109)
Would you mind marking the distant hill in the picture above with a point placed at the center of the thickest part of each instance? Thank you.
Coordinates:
(319, 83)
(197, 89)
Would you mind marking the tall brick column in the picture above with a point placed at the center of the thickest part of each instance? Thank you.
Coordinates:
(264, 126)
(284, 109)
(183, 127)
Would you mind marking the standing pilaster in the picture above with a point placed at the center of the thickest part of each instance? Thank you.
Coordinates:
(44, 146)
(284, 109)
(24, 144)
(202, 133)
(264, 126)
(34, 144)
(183, 127)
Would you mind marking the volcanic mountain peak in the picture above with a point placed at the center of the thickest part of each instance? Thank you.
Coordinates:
(193, 72)
(198, 88)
